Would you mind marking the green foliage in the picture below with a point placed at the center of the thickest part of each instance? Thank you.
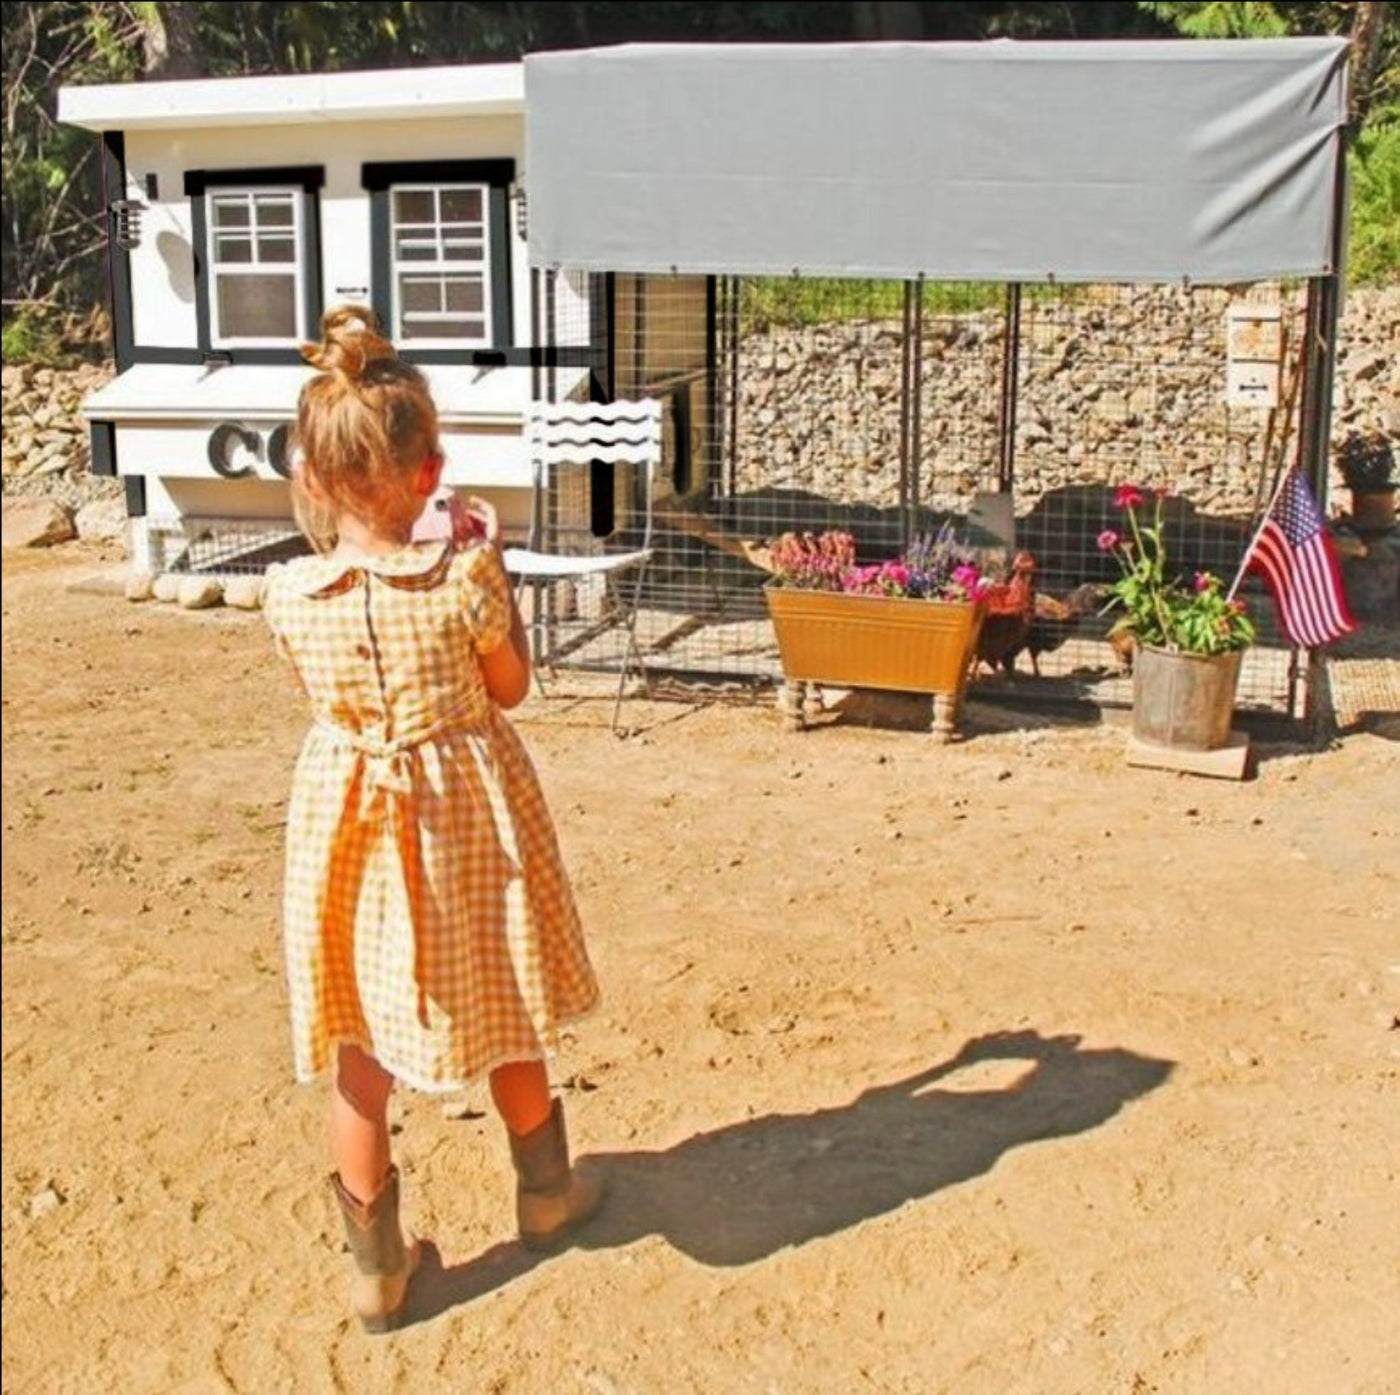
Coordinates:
(50, 233)
(1366, 460)
(52, 227)
(1159, 608)
(768, 302)
(1221, 19)
(33, 335)
(1373, 244)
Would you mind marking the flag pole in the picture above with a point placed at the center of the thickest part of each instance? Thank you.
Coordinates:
(1280, 474)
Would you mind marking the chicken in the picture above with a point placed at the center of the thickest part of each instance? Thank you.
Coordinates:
(1010, 610)
(1053, 622)
(1124, 645)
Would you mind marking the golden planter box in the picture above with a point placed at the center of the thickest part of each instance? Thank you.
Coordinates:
(887, 642)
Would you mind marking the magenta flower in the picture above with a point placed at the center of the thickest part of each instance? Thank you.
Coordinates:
(966, 577)
(1203, 582)
(1127, 496)
(1108, 540)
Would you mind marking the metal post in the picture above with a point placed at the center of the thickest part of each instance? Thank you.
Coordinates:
(1010, 385)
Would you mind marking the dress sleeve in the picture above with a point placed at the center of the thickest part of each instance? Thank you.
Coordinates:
(487, 599)
(274, 610)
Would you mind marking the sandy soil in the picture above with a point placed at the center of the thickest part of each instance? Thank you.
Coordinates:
(999, 1067)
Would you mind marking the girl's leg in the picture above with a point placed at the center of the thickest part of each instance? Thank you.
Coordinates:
(360, 1122)
(366, 1186)
(521, 1094)
(551, 1198)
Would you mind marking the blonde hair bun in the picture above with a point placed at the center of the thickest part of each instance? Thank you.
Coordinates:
(350, 342)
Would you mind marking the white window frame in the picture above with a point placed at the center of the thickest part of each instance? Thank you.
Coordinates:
(296, 267)
(441, 266)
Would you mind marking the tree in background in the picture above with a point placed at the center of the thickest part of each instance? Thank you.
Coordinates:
(1373, 253)
(52, 224)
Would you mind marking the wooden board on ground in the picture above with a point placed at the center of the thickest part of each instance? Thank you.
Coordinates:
(1229, 762)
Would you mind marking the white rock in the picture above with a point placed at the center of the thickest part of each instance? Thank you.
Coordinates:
(30, 521)
(166, 588)
(140, 586)
(244, 592)
(199, 592)
(103, 520)
(41, 1203)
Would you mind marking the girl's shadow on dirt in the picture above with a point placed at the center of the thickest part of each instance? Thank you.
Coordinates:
(748, 1190)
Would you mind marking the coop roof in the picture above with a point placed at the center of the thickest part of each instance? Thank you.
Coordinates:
(477, 90)
(1094, 161)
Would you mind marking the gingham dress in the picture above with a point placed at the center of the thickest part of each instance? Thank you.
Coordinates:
(427, 916)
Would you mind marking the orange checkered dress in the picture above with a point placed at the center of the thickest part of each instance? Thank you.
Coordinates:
(428, 917)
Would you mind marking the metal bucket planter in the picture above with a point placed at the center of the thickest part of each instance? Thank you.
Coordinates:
(1184, 700)
(1373, 510)
(886, 642)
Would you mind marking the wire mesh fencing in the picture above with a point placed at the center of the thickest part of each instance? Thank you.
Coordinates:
(887, 409)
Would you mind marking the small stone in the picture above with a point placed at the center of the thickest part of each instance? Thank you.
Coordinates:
(199, 592)
(461, 1109)
(41, 1203)
(166, 588)
(140, 586)
(244, 592)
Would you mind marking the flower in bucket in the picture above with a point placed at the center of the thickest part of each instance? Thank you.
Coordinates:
(1159, 609)
(935, 567)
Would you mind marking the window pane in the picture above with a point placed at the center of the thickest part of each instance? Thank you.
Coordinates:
(413, 247)
(231, 211)
(456, 250)
(420, 293)
(257, 307)
(465, 295)
(230, 251)
(274, 211)
(414, 206)
(277, 249)
(461, 206)
(444, 329)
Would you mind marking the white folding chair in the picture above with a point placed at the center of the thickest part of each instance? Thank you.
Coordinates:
(567, 441)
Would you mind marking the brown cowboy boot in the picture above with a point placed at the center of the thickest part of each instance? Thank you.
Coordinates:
(551, 1199)
(384, 1258)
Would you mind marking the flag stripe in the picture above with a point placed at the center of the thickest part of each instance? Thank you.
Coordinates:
(1293, 554)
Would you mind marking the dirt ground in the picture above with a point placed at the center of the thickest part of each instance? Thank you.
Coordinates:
(999, 1067)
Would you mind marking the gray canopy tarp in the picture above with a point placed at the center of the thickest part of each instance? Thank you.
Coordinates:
(1209, 161)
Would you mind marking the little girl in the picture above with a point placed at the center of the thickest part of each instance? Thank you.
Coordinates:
(431, 933)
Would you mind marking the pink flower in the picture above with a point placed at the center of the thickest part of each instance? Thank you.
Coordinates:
(1127, 496)
(966, 577)
(1203, 582)
(1108, 540)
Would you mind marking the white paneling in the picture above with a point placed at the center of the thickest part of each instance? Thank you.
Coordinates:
(162, 267)
(487, 457)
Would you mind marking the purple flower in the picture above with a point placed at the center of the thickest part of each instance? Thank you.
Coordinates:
(1108, 540)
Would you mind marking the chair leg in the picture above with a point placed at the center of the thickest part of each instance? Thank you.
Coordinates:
(536, 627)
(633, 649)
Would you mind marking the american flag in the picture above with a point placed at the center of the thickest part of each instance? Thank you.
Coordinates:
(1294, 556)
